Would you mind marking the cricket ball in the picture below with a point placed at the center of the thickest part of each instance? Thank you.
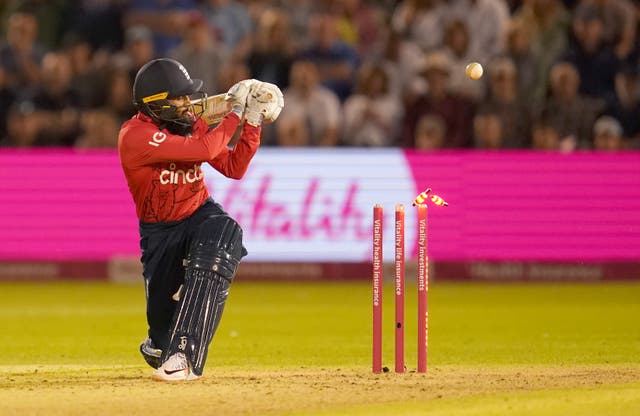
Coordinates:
(474, 70)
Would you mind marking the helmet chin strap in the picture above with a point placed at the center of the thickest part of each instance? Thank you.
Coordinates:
(166, 118)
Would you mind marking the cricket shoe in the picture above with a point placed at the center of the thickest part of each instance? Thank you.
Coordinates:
(176, 368)
(150, 353)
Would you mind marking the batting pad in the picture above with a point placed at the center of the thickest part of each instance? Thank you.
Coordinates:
(209, 268)
(198, 316)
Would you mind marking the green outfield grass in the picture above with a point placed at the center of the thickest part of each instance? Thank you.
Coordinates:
(535, 349)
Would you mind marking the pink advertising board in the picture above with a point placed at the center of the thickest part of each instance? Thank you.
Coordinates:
(64, 205)
(534, 206)
(315, 204)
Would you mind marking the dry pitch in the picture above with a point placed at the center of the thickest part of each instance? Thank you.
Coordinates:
(70, 349)
(446, 390)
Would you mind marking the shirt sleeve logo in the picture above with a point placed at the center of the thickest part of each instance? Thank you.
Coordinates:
(157, 138)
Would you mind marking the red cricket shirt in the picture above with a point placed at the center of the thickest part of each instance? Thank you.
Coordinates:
(163, 169)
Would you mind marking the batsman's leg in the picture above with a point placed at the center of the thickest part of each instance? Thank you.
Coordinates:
(163, 254)
(211, 263)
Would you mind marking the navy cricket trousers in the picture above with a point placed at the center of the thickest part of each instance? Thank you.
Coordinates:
(164, 246)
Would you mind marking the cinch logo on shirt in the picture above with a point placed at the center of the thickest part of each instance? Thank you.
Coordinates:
(174, 176)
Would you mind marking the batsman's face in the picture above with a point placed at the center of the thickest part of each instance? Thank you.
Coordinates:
(181, 111)
(181, 103)
(184, 109)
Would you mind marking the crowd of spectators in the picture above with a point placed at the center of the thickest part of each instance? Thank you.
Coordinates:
(559, 75)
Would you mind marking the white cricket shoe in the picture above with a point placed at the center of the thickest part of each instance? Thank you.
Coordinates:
(176, 368)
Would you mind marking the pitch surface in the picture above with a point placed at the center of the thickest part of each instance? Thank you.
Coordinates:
(529, 349)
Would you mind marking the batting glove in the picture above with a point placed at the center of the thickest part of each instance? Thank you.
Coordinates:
(264, 103)
(238, 94)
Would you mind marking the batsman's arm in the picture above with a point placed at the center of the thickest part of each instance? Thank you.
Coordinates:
(233, 163)
(257, 101)
(145, 144)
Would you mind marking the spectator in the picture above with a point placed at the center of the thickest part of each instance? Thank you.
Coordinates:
(273, 49)
(167, 20)
(56, 101)
(571, 113)
(337, 62)
(231, 19)
(401, 60)
(138, 50)
(360, 24)
(311, 116)
(431, 132)
(487, 20)
(21, 55)
(300, 13)
(24, 124)
(569, 68)
(7, 98)
(119, 102)
(488, 131)
(518, 49)
(607, 134)
(420, 21)
(626, 106)
(88, 79)
(547, 21)
(232, 72)
(371, 115)
(619, 24)
(98, 129)
(55, 92)
(545, 136)
(594, 59)
(201, 53)
(456, 47)
(51, 18)
(293, 132)
(503, 99)
(456, 112)
(99, 22)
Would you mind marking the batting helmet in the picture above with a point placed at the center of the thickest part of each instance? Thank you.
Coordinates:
(162, 79)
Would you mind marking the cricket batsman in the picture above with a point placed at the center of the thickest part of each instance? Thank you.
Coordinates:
(190, 246)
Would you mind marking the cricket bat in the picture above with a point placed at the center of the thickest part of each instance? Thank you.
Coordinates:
(215, 108)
